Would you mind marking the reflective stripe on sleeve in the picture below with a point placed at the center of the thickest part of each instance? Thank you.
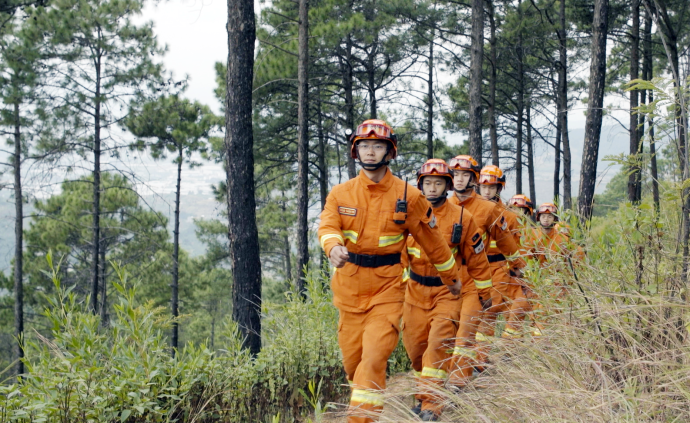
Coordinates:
(385, 241)
(414, 252)
(435, 373)
(483, 284)
(326, 237)
(492, 244)
(465, 352)
(454, 250)
(447, 265)
(406, 274)
(366, 397)
(351, 235)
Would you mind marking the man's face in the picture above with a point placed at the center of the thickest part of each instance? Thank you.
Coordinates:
(461, 178)
(488, 192)
(434, 186)
(546, 220)
(371, 151)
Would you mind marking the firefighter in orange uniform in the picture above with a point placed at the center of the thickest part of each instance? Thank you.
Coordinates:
(506, 281)
(363, 231)
(431, 314)
(492, 223)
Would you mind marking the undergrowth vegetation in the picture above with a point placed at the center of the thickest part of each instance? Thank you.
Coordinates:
(81, 372)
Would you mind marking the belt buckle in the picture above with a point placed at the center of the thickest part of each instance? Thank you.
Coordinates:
(368, 260)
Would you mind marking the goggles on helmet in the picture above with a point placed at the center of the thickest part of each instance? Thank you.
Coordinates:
(437, 168)
(547, 208)
(366, 129)
(520, 202)
(489, 180)
(460, 163)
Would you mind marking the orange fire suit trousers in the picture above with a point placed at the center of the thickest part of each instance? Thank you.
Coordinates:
(367, 340)
(464, 354)
(428, 336)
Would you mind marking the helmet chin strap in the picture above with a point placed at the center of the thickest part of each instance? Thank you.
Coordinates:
(464, 190)
(374, 166)
(436, 200)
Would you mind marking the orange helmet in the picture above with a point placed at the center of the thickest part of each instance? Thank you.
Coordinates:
(466, 163)
(492, 175)
(547, 208)
(523, 202)
(434, 167)
(374, 129)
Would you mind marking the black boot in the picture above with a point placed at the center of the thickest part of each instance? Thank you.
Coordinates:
(428, 416)
(417, 409)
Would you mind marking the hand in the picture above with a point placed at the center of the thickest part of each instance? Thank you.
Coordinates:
(456, 288)
(516, 273)
(339, 256)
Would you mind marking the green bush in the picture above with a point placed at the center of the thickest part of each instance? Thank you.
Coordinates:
(82, 372)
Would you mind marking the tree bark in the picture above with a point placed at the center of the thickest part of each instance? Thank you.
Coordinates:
(303, 146)
(239, 164)
(323, 170)
(491, 111)
(563, 108)
(557, 156)
(348, 83)
(430, 102)
(476, 58)
(371, 80)
(104, 286)
(530, 156)
(634, 176)
(520, 107)
(19, 243)
(176, 255)
(648, 72)
(597, 79)
(96, 216)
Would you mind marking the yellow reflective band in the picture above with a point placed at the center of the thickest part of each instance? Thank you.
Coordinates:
(435, 373)
(406, 275)
(366, 397)
(465, 352)
(385, 241)
(480, 337)
(351, 235)
(414, 252)
(537, 332)
(454, 250)
(416, 373)
(447, 265)
(483, 284)
(484, 236)
(326, 237)
(492, 244)
(511, 333)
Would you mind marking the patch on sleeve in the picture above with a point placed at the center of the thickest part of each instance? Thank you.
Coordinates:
(347, 211)
(478, 246)
(475, 237)
(504, 223)
(432, 222)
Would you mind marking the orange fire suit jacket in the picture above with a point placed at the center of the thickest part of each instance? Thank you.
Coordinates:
(509, 220)
(546, 244)
(489, 217)
(359, 215)
(469, 251)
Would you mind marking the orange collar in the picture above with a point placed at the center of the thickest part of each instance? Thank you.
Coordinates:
(383, 186)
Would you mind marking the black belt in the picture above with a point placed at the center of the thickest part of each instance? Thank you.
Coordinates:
(495, 258)
(426, 280)
(365, 260)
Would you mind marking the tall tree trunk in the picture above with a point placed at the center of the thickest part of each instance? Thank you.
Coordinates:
(239, 165)
(430, 102)
(476, 58)
(520, 107)
(563, 107)
(530, 155)
(323, 170)
(176, 255)
(493, 133)
(634, 177)
(557, 155)
(104, 283)
(303, 145)
(18, 243)
(371, 79)
(287, 252)
(96, 211)
(348, 83)
(597, 79)
(648, 70)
